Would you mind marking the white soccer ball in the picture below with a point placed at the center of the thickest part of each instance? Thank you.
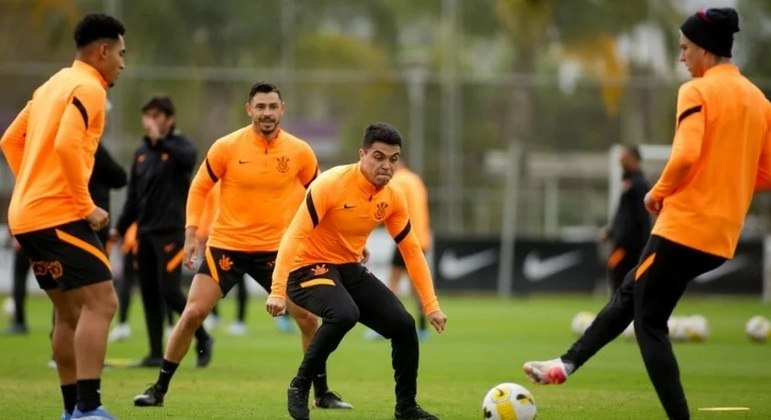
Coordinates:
(758, 328)
(695, 328)
(9, 307)
(581, 322)
(508, 401)
(676, 325)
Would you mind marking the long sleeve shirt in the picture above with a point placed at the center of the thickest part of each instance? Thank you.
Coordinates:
(261, 185)
(721, 153)
(340, 210)
(50, 148)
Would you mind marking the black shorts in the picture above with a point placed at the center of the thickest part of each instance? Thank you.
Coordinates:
(68, 256)
(228, 267)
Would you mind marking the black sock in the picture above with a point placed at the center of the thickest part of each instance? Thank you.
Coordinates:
(300, 382)
(164, 376)
(70, 396)
(320, 386)
(89, 394)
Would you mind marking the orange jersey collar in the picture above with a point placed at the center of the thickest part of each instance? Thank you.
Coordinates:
(363, 184)
(87, 68)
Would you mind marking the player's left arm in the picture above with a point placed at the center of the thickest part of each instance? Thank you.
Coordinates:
(86, 108)
(309, 166)
(686, 146)
(13, 140)
(400, 228)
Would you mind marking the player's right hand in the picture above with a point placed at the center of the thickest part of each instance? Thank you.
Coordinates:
(438, 319)
(192, 251)
(98, 218)
(275, 305)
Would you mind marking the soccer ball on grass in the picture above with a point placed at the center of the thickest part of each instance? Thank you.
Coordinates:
(581, 322)
(508, 401)
(758, 328)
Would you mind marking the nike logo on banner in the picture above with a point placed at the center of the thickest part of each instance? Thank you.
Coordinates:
(348, 206)
(452, 267)
(243, 161)
(727, 268)
(537, 269)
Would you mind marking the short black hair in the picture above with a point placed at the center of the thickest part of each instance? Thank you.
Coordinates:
(634, 151)
(96, 26)
(263, 87)
(382, 132)
(162, 103)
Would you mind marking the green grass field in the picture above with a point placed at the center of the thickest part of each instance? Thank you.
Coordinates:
(485, 343)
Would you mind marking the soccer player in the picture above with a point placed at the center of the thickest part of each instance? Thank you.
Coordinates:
(50, 148)
(159, 180)
(721, 154)
(631, 224)
(262, 171)
(417, 203)
(319, 268)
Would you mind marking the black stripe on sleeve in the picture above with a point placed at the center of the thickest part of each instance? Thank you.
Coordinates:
(212, 175)
(81, 108)
(688, 112)
(312, 179)
(403, 234)
(312, 209)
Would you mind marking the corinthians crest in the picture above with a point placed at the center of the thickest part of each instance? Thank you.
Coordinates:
(381, 209)
(283, 164)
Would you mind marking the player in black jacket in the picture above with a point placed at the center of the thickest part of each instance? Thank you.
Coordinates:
(631, 224)
(159, 181)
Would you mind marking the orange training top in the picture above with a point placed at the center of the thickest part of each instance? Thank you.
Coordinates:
(721, 153)
(50, 147)
(262, 184)
(341, 209)
(417, 202)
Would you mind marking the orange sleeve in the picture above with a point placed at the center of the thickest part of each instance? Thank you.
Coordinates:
(406, 239)
(208, 213)
(763, 181)
(310, 167)
(74, 153)
(209, 173)
(686, 146)
(300, 228)
(14, 138)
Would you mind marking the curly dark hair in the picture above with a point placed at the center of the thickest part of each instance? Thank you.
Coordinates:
(96, 26)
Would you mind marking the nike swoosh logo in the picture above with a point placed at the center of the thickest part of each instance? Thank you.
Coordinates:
(452, 267)
(243, 161)
(536, 269)
(727, 268)
(348, 206)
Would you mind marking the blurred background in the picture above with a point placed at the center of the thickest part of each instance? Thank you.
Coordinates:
(509, 108)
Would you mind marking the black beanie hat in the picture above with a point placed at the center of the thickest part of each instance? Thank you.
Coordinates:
(712, 29)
